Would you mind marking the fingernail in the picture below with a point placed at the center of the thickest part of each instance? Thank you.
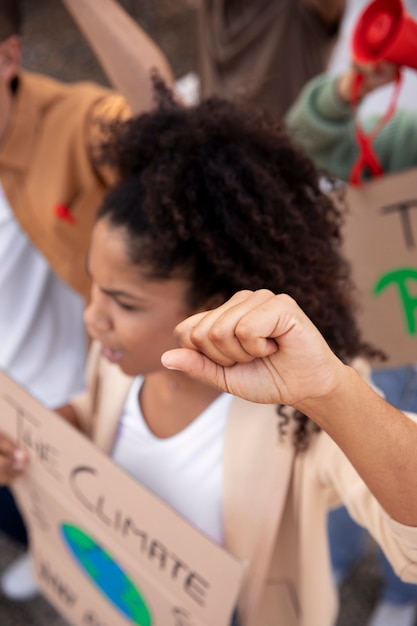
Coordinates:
(165, 360)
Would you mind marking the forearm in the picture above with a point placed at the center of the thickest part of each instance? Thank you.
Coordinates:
(379, 440)
(124, 50)
(323, 124)
(319, 117)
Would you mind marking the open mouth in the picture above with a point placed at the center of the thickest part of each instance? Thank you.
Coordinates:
(111, 355)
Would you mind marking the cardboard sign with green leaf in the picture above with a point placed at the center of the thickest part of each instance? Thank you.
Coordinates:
(380, 241)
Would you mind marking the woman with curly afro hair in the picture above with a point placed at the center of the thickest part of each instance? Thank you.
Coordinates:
(220, 196)
(211, 200)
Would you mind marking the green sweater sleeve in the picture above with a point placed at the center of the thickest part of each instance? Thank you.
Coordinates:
(324, 125)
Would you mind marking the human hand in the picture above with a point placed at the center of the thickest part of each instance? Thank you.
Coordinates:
(259, 346)
(13, 460)
(374, 75)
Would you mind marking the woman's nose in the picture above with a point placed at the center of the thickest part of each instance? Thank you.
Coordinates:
(96, 317)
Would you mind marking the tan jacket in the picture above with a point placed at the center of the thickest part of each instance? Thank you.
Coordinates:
(45, 162)
(288, 581)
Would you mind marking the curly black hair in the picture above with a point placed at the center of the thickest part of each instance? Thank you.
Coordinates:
(220, 195)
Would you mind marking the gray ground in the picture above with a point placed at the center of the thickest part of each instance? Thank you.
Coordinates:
(53, 45)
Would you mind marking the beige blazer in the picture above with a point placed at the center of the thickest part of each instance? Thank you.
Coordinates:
(275, 505)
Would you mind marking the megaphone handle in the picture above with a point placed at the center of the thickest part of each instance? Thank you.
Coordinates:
(357, 83)
(367, 157)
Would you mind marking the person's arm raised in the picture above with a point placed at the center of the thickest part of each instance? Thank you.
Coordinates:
(126, 53)
(263, 348)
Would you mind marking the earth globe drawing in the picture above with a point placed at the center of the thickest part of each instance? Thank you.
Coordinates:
(107, 575)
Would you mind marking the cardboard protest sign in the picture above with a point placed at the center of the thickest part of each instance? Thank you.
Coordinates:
(380, 241)
(106, 551)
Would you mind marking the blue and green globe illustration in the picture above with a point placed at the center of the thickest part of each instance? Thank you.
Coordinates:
(107, 575)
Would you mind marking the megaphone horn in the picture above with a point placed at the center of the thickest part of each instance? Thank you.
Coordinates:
(385, 32)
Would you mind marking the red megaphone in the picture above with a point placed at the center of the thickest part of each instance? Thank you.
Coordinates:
(385, 32)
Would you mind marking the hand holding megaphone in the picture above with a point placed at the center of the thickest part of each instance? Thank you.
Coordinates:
(385, 32)
(384, 39)
(374, 75)
(355, 83)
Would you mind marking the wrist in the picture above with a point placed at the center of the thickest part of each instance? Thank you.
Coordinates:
(344, 86)
(325, 408)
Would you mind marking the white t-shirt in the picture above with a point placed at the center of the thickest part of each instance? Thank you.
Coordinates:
(42, 335)
(186, 470)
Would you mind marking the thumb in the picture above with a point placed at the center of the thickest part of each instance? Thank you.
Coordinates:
(195, 365)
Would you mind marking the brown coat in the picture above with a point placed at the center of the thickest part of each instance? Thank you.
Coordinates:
(275, 506)
(261, 50)
(45, 162)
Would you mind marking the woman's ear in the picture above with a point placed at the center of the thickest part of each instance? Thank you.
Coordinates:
(10, 58)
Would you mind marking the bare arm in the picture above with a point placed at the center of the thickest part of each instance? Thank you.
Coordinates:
(378, 439)
(123, 49)
(330, 11)
(262, 347)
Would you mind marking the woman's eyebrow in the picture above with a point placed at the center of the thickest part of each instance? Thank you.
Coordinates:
(113, 293)
(118, 293)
